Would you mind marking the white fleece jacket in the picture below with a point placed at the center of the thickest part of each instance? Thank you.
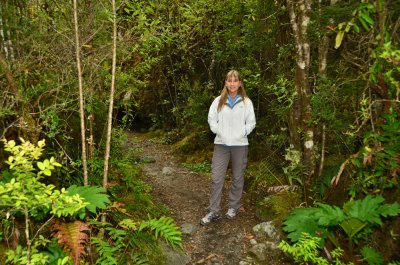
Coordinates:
(232, 125)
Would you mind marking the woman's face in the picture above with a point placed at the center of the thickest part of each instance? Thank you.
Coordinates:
(233, 84)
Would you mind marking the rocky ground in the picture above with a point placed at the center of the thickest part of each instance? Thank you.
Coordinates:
(186, 194)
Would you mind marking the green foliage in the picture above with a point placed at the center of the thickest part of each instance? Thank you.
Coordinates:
(55, 254)
(204, 167)
(307, 249)
(93, 195)
(303, 220)
(370, 209)
(20, 256)
(52, 123)
(107, 253)
(164, 227)
(385, 68)
(131, 241)
(361, 14)
(355, 217)
(375, 166)
(295, 169)
(371, 256)
(24, 193)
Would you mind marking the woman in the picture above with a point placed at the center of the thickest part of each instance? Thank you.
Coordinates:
(231, 117)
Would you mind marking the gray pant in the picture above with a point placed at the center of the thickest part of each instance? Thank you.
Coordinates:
(220, 161)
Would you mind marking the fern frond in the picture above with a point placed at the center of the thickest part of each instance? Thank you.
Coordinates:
(72, 237)
(105, 251)
(140, 259)
(116, 234)
(164, 227)
(128, 224)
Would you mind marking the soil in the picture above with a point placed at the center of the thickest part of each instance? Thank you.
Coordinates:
(186, 194)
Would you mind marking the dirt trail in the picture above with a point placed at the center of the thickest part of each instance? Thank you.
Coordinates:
(186, 194)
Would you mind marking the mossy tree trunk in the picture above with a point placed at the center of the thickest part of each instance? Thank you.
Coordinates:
(300, 12)
(29, 128)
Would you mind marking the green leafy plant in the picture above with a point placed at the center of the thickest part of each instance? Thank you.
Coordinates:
(356, 216)
(361, 14)
(307, 251)
(295, 169)
(55, 254)
(113, 244)
(22, 256)
(23, 193)
(374, 167)
(164, 227)
(371, 256)
(204, 167)
(93, 195)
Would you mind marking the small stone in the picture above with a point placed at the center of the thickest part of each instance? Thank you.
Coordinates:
(267, 229)
(253, 241)
(167, 170)
(259, 251)
(188, 229)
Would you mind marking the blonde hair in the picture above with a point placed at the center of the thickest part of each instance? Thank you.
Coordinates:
(224, 93)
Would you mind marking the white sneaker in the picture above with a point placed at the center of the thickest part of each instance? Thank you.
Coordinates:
(210, 217)
(231, 213)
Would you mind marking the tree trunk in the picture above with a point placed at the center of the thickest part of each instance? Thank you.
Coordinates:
(29, 128)
(111, 105)
(81, 98)
(322, 66)
(299, 13)
(90, 55)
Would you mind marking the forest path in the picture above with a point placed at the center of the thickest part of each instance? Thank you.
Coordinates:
(186, 194)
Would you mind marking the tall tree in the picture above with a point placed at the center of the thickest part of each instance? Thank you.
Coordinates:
(112, 92)
(299, 13)
(81, 97)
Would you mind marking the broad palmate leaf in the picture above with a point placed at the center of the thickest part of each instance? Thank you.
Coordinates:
(94, 195)
(302, 220)
(370, 209)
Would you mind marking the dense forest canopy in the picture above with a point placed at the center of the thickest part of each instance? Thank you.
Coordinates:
(324, 77)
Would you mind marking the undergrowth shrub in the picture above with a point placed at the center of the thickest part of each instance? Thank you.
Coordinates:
(307, 250)
(357, 219)
(69, 216)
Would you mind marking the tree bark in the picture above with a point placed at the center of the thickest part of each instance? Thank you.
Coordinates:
(299, 13)
(81, 97)
(322, 67)
(111, 105)
(29, 128)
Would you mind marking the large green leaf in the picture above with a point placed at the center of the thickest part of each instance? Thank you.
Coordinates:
(302, 220)
(370, 209)
(329, 215)
(352, 226)
(94, 195)
(371, 256)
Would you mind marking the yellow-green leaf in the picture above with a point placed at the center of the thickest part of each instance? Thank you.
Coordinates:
(40, 165)
(339, 39)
